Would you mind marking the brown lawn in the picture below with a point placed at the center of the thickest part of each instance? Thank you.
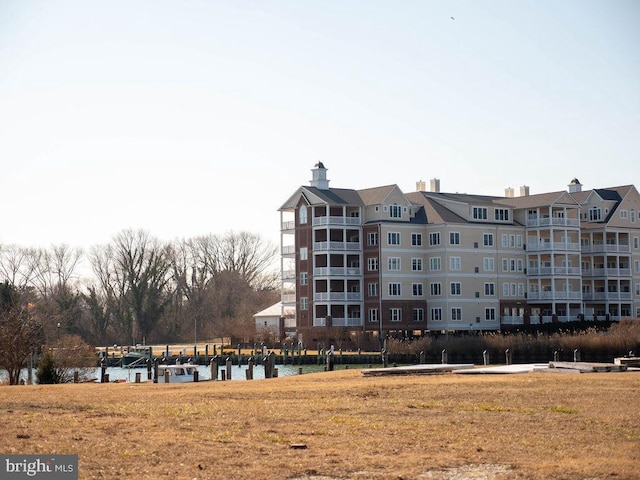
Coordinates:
(527, 426)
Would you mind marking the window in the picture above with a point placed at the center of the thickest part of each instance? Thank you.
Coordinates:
(304, 303)
(505, 289)
(372, 264)
(395, 314)
(436, 314)
(624, 214)
(514, 291)
(373, 289)
(416, 264)
(505, 264)
(637, 289)
(487, 239)
(454, 238)
(490, 314)
(489, 289)
(635, 242)
(595, 214)
(512, 241)
(633, 216)
(521, 289)
(395, 211)
(501, 214)
(435, 288)
(479, 213)
(416, 239)
(418, 289)
(302, 215)
(487, 264)
(636, 266)
(418, 315)
(434, 238)
(512, 264)
(372, 238)
(505, 240)
(393, 238)
(455, 288)
(455, 263)
(304, 255)
(519, 241)
(434, 264)
(520, 265)
(394, 289)
(456, 314)
(373, 314)
(394, 263)
(304, 278)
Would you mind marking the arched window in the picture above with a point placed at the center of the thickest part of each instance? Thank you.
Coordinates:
(302, 215)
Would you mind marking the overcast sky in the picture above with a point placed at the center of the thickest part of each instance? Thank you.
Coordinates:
(190, 117)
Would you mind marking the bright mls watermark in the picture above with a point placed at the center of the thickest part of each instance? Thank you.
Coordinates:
(49, 467)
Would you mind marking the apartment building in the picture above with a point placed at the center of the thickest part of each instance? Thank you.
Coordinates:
(382, 260)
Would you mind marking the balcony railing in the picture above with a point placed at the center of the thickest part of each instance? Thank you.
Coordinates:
(606, 248)
(606, 296)
(288, 298)
(336, 221)
(288, 250)
(337, 297)
(339, 322)
(559, 295)
(606, 272)
(289, 275)
(558, 246)
(550, 271)
(338, 246)
(337, 271)
(556, 221)
(288, 225)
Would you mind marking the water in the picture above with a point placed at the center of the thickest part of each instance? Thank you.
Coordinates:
(204, 372)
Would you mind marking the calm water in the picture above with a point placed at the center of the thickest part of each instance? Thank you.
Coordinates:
(204, 372)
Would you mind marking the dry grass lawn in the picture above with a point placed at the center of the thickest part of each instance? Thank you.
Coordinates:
(527, 426)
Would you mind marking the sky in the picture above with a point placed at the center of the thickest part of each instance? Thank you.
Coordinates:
(193, 117)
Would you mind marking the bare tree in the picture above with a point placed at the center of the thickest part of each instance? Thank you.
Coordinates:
(20, 332)
(133, 273)
(17, 265)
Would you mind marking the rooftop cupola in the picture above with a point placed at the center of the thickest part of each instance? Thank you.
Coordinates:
(575, 186)
(319, 179)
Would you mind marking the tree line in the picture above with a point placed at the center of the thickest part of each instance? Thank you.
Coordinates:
(137, 289)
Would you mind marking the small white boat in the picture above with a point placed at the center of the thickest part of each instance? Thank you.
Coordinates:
(177, 373)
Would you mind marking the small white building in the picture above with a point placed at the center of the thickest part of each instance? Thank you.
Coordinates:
(274, 320)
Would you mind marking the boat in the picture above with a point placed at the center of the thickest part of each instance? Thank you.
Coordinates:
(136, 357)
(178, 373)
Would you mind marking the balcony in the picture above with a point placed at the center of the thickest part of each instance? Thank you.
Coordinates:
(336, 246)
(337, 297)
(289, 250)
(318, 221)
(288, 298)
(337, 272)
(289, 275)
(339, 322)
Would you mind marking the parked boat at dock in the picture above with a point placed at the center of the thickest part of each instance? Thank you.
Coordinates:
(179, 373)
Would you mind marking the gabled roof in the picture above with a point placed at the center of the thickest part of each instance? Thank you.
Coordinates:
(539, 200)
(434, 211)
(317, 196)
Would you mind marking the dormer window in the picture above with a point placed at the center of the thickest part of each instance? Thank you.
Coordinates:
(479, 213)
(395, 211)
(501, 214)
(595, 214)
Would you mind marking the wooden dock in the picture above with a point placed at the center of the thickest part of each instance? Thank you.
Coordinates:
(428, 369)
(587, 367)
